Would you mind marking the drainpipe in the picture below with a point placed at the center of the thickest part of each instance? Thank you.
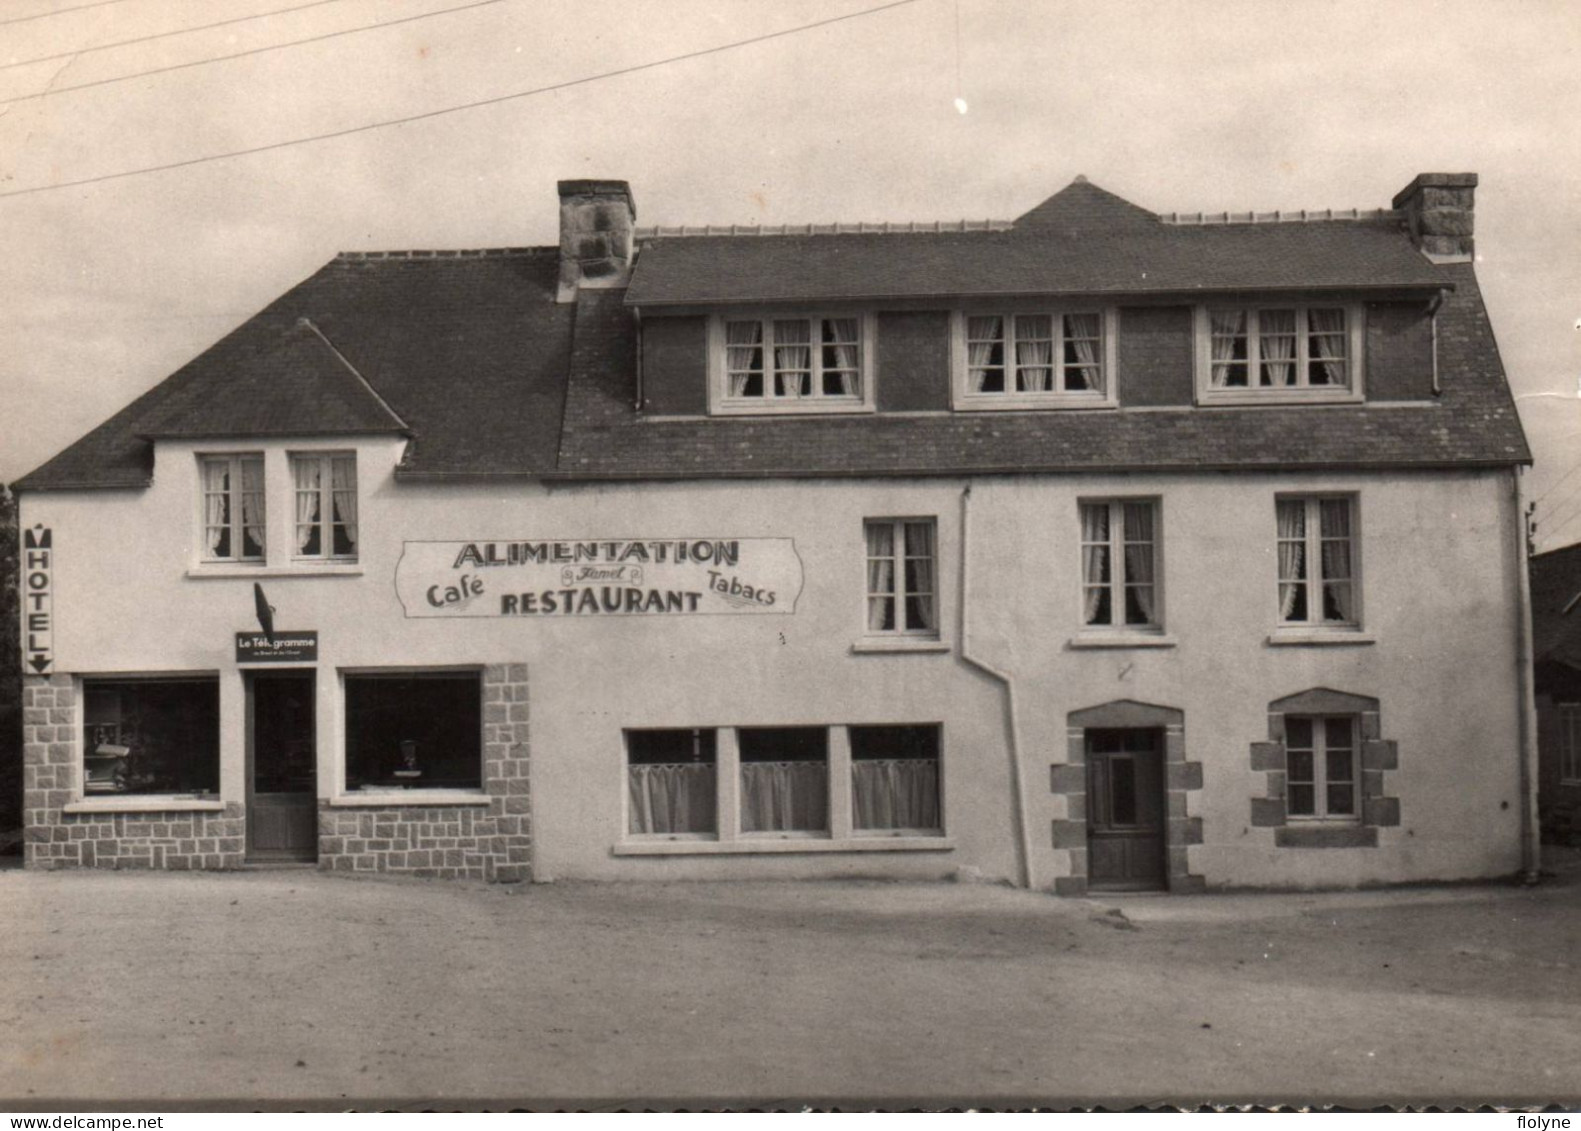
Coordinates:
(636, 314)
(1023, 841)
(1432, 314)
(1531, 833)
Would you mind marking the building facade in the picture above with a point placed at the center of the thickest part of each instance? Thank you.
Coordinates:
(1556, 652)
(1094, 550)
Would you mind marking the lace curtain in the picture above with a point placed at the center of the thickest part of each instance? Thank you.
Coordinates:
(983, 336)
(743, 354)
(1277, 345)
(1082, 334)
(1291, 514)
(1139, 559)
(1338, 592)
(343, 497)
(842, 354)
(1228, 329)
(1094, 560)
(880, 576)
(792, 357)
(784, 797)
(895, 793)
(308, 475)
(671, 797)
(1327, 346)
(1034, 353)
(919, 576)
(216, 486)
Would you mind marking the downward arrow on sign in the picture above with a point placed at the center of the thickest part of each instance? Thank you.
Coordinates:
(39, 663)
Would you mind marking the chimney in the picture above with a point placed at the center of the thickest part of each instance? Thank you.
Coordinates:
(1439, 211)
(596, 221)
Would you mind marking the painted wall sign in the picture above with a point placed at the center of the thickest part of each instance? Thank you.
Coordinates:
(285, 648)
(38, 613)
(599, 577)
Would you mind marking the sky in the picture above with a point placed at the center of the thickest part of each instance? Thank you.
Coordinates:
(108, 287)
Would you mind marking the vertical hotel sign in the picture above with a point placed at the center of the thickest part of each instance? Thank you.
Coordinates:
(38, 613)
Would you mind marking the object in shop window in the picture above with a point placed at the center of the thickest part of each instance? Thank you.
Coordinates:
(408, 768)
(107, 768)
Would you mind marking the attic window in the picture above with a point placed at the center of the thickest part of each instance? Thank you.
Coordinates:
(1279, 354)
(792, 363)
(1033, 358)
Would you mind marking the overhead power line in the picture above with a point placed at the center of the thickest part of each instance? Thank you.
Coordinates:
(634, 69)
(58, 12)
(54, 90)
(97, 47)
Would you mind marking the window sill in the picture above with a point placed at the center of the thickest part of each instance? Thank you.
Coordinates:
(1122, 640)
(752, 846)
(146, 803)
(879, 645)
(1325, 834)
(793, 407)
(408, 798)
(1282, 397)
(295, 569)
(1319, 636)
(1045, 402)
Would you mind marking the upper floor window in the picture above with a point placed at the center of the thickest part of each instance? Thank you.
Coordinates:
(1033, 359)
(326, 505)
(1119, 564)
(793, 363)
(1263, 354)
(233, 508)
(902, 593)
(1318, 582)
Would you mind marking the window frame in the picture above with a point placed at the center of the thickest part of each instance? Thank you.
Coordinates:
(1569, 743)
(964, 399)
(1320, 778)
(730, 835)
(816, 402)
(235, 463)
(1119, 569)
(417, 795)
(325, 522)
(1313, 583)
(900, 595)
(1353, 391)
(86, 799)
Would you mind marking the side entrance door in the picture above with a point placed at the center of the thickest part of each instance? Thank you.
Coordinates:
(282, 806)
(1125, 810)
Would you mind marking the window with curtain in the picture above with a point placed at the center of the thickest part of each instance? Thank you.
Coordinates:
(672, 781)
(784, 779)
(1274, 349)
(1317, 549)
(902, 590)
(1034, 355)
(326, 505)
(1320, 766)
(234, 528)
(414, 730)
(781, 362)
(895, 778)
(1119, 563)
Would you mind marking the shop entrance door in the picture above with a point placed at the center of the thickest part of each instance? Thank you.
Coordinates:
(282, 806)
(1125, 810)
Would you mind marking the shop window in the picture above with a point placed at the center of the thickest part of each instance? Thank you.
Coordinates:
(1320, 761)
(895, 778)
(326, 506)
(902, 589)
(233, 508)
(672, 781)
(414, 730)
(144, 736)
(784, 779)
(1119, 564)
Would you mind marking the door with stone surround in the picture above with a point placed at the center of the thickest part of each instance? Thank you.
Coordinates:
(1125, 810)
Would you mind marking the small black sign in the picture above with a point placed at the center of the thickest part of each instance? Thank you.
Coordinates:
(282, 648)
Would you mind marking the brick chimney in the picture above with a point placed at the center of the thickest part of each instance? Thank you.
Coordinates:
(1439, 211)
(596, 221)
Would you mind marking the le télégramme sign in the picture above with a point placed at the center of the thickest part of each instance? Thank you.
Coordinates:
(599, 577)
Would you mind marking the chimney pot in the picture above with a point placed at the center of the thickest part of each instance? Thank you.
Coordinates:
(597, 219)
(1440, 212)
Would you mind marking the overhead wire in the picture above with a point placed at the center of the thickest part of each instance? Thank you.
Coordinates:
(58, 12)
(97, 47)
(427, 114)
(54, 90)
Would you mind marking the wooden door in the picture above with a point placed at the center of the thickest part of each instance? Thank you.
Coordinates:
(1125, 810)
(282, 805)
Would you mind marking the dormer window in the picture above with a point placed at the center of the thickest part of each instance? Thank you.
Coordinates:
(233, 508)
(792, 363)
(1033, 358)
(1279, 354)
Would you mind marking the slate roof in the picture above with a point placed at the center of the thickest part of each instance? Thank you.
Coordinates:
(491, 377)
(1556, 606)
(1083, 240)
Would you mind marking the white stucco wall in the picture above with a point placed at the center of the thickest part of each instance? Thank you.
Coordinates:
(1438, 593)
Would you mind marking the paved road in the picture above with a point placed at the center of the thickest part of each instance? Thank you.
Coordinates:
(275, 986)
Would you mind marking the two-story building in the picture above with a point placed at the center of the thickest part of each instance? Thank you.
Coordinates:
(1096, 549)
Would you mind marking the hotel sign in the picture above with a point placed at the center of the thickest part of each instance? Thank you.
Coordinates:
(38, 612)
(599, 577)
